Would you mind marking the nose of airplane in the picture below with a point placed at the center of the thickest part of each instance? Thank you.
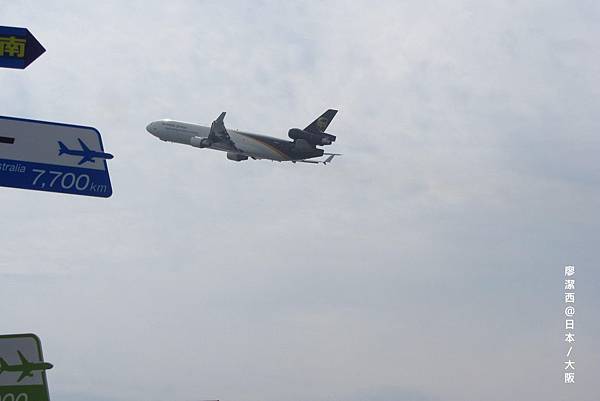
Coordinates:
(151, 128)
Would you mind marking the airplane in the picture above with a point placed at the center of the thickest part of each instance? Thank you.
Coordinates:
(26, 368)
(87, 155)
(241, 145)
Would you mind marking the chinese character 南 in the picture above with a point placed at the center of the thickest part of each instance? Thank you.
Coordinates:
(14, 47)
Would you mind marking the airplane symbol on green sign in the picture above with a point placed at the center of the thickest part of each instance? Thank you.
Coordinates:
(26, 368)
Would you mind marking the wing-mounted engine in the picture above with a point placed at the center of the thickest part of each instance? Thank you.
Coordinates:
(313, 138)
(236, 157)
(199, 142)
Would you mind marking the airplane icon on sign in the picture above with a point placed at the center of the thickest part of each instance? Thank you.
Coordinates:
(26, 368)
(87, 155)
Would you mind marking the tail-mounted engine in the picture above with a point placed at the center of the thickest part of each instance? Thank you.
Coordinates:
(314, 138)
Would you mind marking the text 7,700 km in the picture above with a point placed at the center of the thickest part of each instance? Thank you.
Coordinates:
(67, 181)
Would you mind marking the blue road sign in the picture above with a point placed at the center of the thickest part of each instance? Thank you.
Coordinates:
(53, 157)
(18, 47)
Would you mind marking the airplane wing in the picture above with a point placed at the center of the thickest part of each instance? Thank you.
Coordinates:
(84, 147)
(218, 132)
(87, 153)
(24, 360)
(24, 374)
(86, 158)
(321, 123)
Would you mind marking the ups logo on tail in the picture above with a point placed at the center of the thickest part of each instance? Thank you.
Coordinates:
(322, 123)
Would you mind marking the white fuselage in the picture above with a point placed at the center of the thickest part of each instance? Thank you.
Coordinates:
(252, 145)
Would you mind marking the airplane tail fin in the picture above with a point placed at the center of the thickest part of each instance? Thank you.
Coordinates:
(321, 123)
(62, 148)
(3, 365)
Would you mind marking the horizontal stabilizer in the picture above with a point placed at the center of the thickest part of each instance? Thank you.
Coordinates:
(328, 160)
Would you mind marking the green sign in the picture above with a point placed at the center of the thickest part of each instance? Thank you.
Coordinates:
(22, 369)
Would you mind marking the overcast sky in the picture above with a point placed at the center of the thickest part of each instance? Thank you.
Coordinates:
(426, 264)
